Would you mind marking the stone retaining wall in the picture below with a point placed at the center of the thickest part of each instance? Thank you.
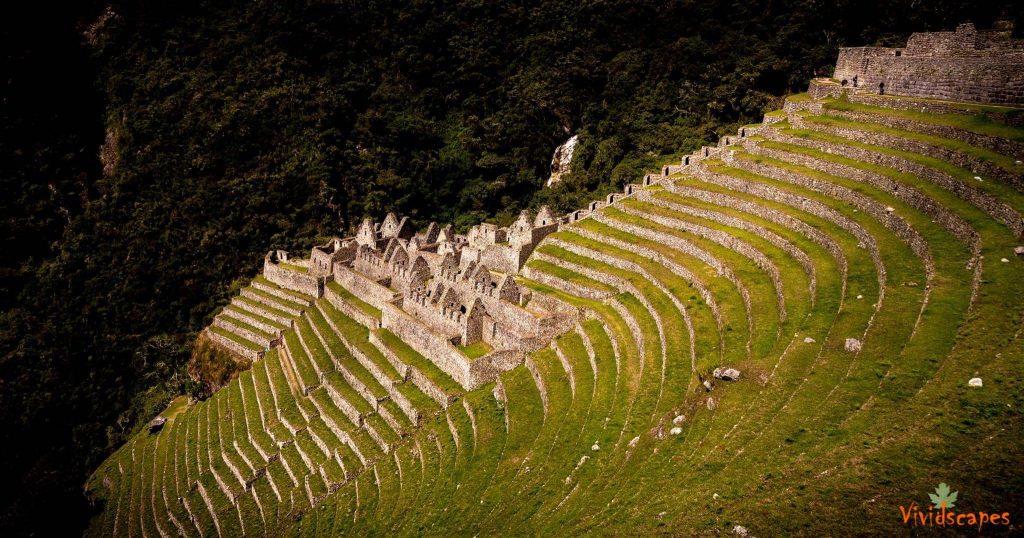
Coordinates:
(234, 347)
(1004, 146)
(959, 159)
(927, 205)
(293, 280)
(977, 197)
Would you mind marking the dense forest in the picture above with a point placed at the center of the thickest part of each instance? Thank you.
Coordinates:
(154, 151)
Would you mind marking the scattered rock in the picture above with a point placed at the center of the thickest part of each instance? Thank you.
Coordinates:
(860, 296)
(708, 386)
(911, 284)
(1019, 250)
(676, 431)
(661, 515)
(740, 530)
(712, 404)
(715, 496)
(853, 345)
(157, 424)
(1004, 260)
(679, 419)
(974, 382)
(634, 441)
(809, 340)
(978, 178)
(726, 374)
(890, 209)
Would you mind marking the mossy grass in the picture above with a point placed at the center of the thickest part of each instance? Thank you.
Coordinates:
(475, 350)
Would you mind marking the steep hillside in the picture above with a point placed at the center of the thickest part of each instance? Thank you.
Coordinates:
(853, 257)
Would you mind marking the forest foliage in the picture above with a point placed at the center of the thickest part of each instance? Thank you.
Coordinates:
(154, 151)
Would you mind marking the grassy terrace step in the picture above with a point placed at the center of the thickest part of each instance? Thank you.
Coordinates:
(795, 281)
(976, 123)
(249, 344)
(358, 337)
(239, 321)
(301, 362)
(413, 358)
(353, 300)
(287, 305)
(340, 353)
(1006, 194)
(983, 155)
(317, 352)
(570, 276)
(264, 308)
(677, 344)
(741, 327)
(249, 317)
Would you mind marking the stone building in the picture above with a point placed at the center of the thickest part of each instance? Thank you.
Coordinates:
(962, 65)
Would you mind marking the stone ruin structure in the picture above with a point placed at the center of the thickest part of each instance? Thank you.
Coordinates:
(963, 65)
(436, 290)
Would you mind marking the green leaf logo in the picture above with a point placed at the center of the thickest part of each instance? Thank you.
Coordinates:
(942, 498)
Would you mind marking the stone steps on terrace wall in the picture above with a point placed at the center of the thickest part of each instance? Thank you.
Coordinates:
(276, 290)
(359, 386)
(232, 325)
(782, 219)
(954, 157)
(939, 213)
(627, 265)
(801, 257)
(291, 369)
(799, 204)
(378, 374)
(1010, 148)
(338, 429)
(413, 374)
(890, 220)
(979, 198)
(262, 297)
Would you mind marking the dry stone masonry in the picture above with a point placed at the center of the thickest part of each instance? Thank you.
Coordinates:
(963, 65)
